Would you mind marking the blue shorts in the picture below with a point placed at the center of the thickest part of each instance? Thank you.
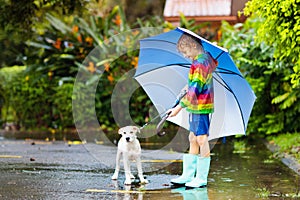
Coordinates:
(199, 123)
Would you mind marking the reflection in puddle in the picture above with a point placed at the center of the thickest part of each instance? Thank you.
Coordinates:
(227, 179)
(188, 194)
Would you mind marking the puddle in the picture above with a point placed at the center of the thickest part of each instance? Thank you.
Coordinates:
(245, 170)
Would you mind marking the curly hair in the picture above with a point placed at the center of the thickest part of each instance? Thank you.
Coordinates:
(187, 42)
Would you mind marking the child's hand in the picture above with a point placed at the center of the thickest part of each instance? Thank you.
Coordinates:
(174, 111)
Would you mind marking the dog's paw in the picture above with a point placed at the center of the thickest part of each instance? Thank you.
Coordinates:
(127, 182)
(144, 181)
(131, 176)
(114, 177)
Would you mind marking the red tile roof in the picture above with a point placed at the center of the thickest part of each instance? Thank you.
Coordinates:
(197, 8)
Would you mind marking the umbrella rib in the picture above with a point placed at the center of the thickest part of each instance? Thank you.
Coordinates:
(219, 55)
(186, 65)
(159, 40)
(222, 83)
(226, 71)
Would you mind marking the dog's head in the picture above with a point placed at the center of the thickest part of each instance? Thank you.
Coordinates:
(129, 132)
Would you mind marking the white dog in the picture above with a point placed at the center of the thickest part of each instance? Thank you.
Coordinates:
(130, 147)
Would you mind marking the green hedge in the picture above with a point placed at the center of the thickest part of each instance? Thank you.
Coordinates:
(277, 108)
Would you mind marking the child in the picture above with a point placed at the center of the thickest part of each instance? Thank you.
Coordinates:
(199, 103)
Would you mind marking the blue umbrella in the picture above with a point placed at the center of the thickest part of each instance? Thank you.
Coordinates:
(162, 72)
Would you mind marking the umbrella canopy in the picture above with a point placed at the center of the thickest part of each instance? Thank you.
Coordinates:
(163, 72)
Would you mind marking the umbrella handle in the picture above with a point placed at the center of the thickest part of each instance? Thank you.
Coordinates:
(157, 116)
(162, 121)
(165, 115)
(161, 124)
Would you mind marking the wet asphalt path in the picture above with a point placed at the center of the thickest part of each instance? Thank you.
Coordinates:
(57, 170)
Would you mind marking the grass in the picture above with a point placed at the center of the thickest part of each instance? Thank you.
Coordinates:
(262, 192)
(288, 143)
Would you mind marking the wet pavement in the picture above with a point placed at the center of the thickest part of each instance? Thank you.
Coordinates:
(32, 169)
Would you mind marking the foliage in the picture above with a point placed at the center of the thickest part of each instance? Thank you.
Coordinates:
(7, 78)
(262, 192)
(11, 10)
(31, 100)
(276, 107)
(14, 30)
(280, 28)
(62, 106)
(44, 92)
(287, 143)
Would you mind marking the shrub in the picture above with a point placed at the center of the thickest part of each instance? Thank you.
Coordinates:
(276, 107)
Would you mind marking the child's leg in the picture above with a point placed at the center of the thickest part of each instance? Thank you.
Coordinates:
(203, 164)
(189, 163)
(202, 141)
(194, 146)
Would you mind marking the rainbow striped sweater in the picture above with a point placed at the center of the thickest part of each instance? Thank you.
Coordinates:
(200, 96)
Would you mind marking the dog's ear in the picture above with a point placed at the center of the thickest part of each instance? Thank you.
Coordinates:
(120, 131)
(136, 129)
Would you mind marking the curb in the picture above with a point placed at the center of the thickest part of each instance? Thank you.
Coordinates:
(287, 159)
